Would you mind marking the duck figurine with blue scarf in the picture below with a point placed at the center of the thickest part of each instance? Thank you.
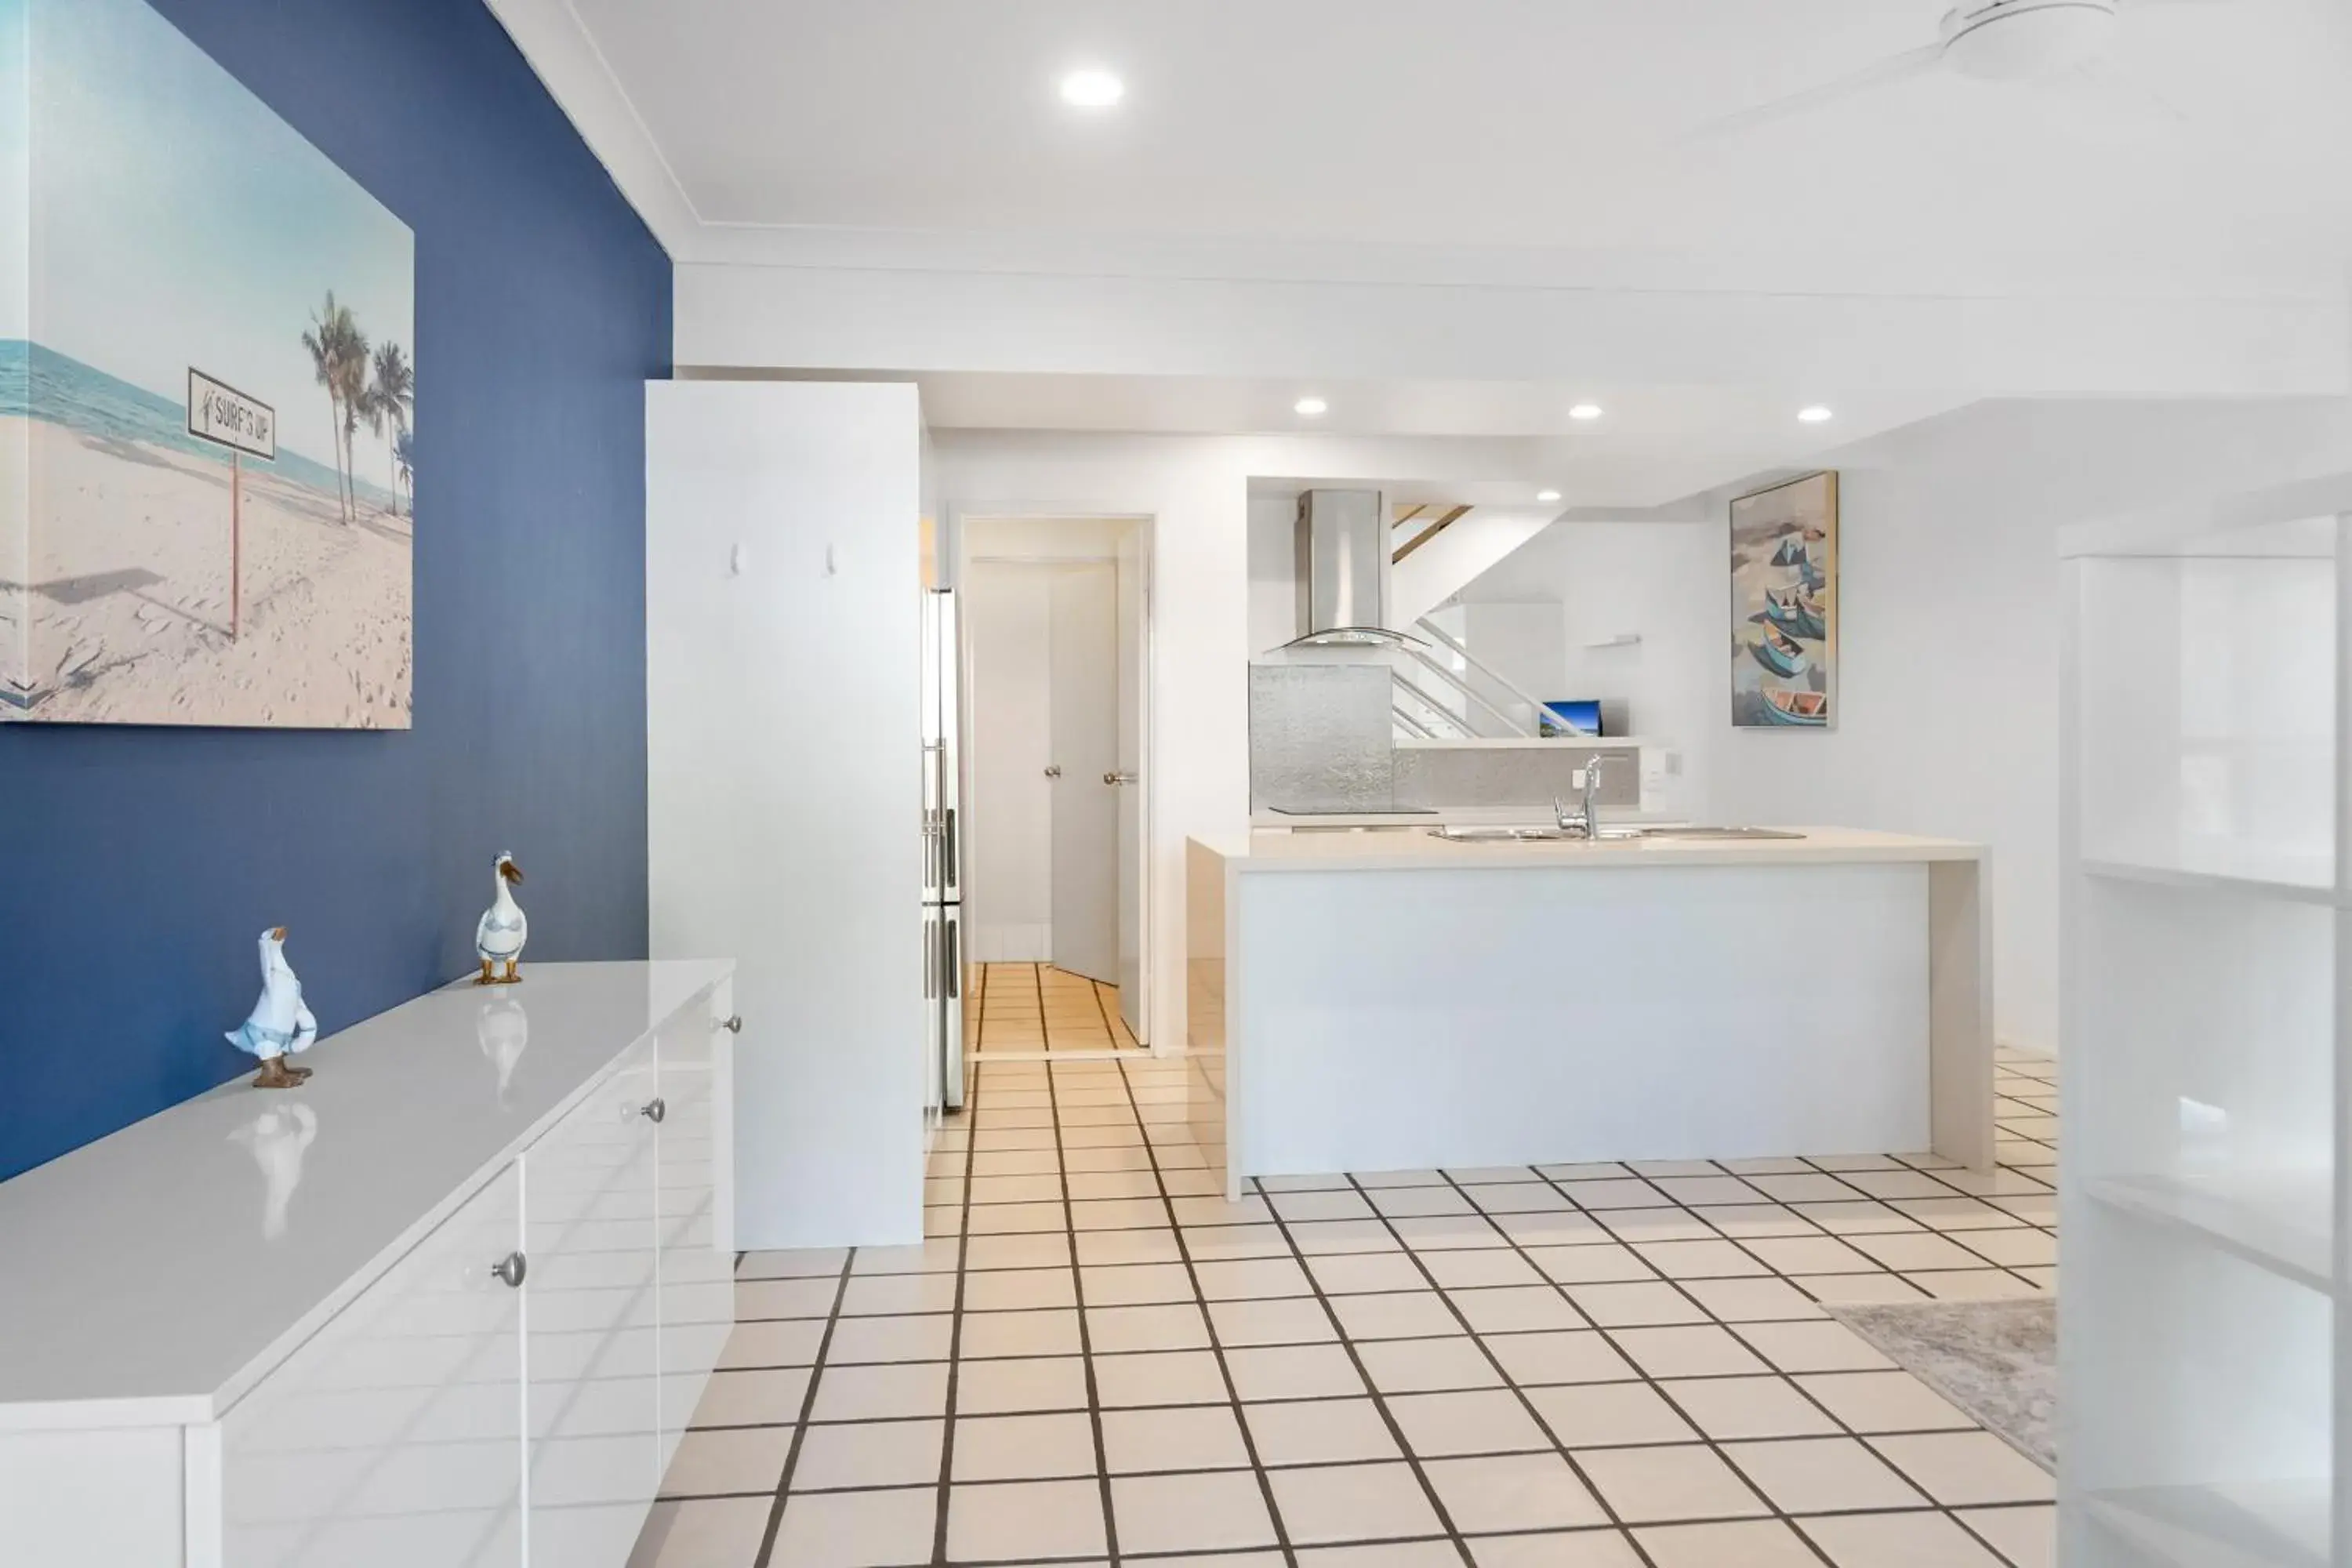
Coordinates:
(498, 937)
(281, 1026)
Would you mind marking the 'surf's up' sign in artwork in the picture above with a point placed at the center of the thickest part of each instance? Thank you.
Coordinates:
(206, 409)
(227, 418)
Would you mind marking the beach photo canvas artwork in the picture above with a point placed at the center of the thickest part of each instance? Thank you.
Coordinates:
(207, 396)
(1784, 606)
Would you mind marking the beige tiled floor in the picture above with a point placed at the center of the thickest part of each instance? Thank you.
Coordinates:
(1096, 1358)
(1019, 1009)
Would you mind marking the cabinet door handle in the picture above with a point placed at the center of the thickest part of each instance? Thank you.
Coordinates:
(1053, 772)
(654, 1109)
(510, 1270)
(733, 1026)
(1119, 778)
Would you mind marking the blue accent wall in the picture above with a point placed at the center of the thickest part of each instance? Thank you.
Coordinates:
(137, 865)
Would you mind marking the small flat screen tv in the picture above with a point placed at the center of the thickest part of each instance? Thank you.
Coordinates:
(1579, 717)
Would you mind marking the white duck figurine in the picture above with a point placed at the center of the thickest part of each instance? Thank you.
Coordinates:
(279, 1026)
(498, 939)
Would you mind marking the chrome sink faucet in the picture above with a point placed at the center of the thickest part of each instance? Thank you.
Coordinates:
(1584, 823)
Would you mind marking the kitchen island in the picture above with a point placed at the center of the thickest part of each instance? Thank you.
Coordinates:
(1394, 1000)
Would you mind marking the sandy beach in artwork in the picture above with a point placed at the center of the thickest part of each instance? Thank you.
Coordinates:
(129, 597)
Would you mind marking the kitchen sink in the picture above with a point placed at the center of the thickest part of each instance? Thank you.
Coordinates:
(1495, 835)
(1606, 835)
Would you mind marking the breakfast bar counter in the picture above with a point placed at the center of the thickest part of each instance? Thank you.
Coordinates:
(1393, 999)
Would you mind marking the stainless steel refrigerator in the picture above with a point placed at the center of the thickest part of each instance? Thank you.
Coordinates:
(942, 693)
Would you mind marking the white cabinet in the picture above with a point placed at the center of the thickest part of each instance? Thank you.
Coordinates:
(391, 1437)
(474, 1320)
(2208, 923)
(594, 1361)
(695, 1274)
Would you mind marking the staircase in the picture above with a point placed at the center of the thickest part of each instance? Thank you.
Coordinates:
(1439, 549)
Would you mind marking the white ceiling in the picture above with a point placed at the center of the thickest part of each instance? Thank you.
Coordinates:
(1411, 194)
(1493, 122)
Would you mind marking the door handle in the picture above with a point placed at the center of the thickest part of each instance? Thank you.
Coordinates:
(654, 1109)
(1119, 778)
(508, 1270)
(1054, 770)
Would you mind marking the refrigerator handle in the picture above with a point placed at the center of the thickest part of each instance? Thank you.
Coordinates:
(951, 848)
(954, 958)
(931, 960)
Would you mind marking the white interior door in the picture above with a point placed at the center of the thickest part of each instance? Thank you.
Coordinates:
(1134, 666)
(1084, 706)
(1008, 820)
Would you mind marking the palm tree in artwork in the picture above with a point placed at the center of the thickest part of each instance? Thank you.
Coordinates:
(330, 326)
(391, 396)
(403, 458)
(351, 382)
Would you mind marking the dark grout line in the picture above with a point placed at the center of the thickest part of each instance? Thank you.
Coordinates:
(1951, 1236)
(1216, 1347)
(1527, 1405)
(1086, 1334)
(1373, 1389)
(955, 1341)
(808, 1408)
(1609, 1337)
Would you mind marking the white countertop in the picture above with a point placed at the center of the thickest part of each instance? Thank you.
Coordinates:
(137, 1284)
(1415, 849)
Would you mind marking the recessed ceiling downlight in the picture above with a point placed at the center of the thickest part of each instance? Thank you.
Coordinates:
(1585, 411)
(1311, 407)
(1814, 413)
(1546, 495)
(1092, 89)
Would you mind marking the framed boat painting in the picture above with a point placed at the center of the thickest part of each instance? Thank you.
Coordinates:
(1784, 606)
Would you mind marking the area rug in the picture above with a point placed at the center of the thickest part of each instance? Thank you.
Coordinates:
(1996, 1359)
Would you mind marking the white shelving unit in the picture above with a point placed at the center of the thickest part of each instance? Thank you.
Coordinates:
(2203, 1347)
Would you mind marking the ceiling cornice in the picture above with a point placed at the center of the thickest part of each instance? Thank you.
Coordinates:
(567, 62)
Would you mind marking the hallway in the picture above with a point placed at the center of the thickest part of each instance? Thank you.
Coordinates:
(1097, 1358)
(1020, 1009)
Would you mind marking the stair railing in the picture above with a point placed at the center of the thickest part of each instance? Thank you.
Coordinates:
(1453, 645)
(1436, 666)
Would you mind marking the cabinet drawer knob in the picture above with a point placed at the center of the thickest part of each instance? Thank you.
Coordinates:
(654, 1109)
(510, 1270)
(733, 1026)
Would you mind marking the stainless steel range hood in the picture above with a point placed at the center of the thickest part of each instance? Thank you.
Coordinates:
(1343, 571)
